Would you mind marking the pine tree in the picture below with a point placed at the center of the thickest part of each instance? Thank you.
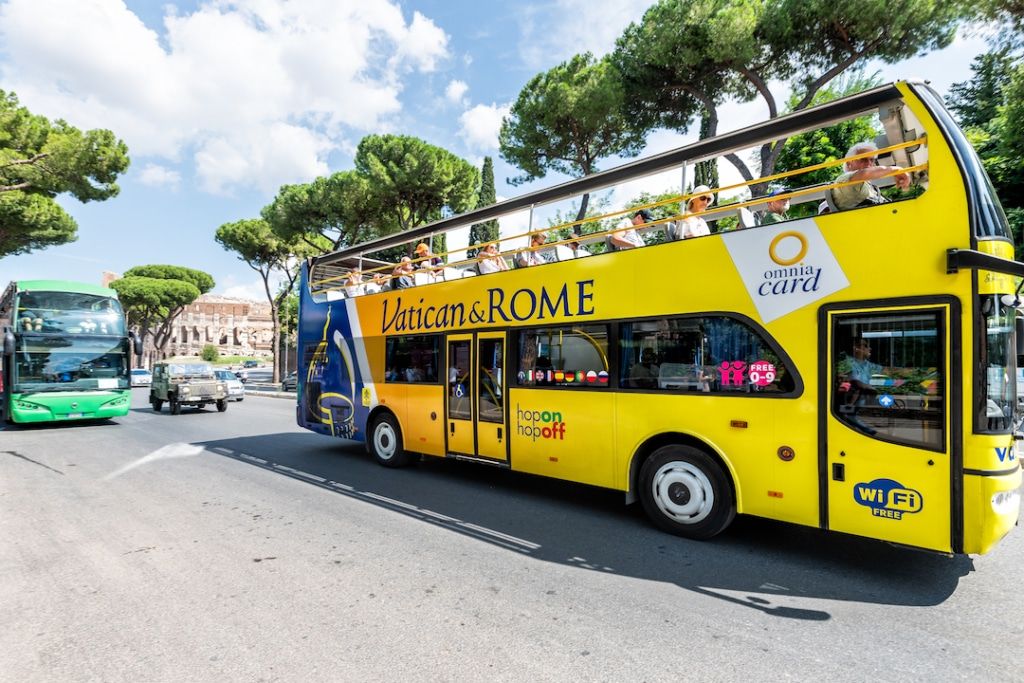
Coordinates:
(482, 233)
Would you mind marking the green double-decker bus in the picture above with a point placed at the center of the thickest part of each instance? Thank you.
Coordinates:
(66, 352)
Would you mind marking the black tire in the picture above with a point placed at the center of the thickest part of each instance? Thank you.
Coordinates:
(385, 442)
(156, 403)
(686, 492)
(222, 405)
(174, 405)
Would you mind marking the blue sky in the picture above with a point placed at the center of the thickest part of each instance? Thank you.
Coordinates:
(221, 102)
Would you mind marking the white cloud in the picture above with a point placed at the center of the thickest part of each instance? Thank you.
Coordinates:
(456, 91)
(273, 85)
(583, 25)
(481, 124)
(156, 175)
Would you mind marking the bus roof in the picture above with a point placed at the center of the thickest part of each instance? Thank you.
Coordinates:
(782, 126)
(63, 286)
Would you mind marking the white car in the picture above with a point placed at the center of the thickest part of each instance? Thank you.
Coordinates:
(141, 377)
(236, 390)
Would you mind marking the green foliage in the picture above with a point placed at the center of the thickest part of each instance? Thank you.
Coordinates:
(209, 353)
(994, 124)
(689, 56)
(32, 221)
(412, 182)
(153, 296)
(567, 119)
(481, 233)
(40, 160)
(326, 214)
(203, 282)
(831, 143)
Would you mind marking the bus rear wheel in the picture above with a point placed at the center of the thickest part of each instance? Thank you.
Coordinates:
(386, 442)
(686, 492)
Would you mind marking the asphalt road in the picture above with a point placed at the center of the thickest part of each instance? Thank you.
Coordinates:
(236, 547)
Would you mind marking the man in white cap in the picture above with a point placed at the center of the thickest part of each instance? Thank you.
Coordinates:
(865, 169)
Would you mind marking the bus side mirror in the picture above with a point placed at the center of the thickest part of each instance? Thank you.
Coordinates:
(137, 344)
(9, 343)
(1020, 334)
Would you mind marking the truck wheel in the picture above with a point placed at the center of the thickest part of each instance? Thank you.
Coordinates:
(175, 406)
(386, 442)
(156, 403)
(685, 492)
(222, 405)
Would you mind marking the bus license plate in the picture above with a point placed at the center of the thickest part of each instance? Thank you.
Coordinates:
(74, 415)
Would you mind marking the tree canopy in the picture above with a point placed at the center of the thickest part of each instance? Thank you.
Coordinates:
(567, 119)
(412, 182)
(326, 214)
(39, 160)
(154, 295)
(688, 57)
(266, 252)
(487, 231)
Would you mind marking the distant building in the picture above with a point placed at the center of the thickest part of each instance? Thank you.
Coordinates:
(237, 327)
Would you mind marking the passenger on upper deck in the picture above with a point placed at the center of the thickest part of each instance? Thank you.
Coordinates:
(377, 284)
(429, 260)
(775, 211)
(578, 251)
(629, 238)
(401, 276)
(866, 169)
(531, 256)
(490, 260)
(693, 225)
(354, 283)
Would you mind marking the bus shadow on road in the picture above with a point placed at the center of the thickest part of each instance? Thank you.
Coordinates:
(759, 564)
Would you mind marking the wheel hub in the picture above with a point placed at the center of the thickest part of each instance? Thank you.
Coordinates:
(683, 492)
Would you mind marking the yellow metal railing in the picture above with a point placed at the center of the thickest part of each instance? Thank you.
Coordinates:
(682, 199)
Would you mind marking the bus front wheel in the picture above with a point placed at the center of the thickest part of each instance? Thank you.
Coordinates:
(686, 492)
(386, 442)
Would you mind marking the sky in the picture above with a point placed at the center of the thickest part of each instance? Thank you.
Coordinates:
(221, 102)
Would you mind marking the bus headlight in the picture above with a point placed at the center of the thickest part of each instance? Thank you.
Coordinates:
(1006, 502)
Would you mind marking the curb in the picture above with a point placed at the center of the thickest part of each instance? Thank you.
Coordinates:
(271, 394)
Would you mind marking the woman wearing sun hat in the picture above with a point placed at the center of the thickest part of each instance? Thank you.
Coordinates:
(692, 225)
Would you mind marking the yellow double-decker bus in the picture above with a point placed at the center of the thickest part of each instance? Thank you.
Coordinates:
(849, 368)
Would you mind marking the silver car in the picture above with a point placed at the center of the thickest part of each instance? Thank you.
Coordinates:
(236, 390)
(141, 377)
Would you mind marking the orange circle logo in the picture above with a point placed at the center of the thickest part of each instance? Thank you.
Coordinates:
(788, 261)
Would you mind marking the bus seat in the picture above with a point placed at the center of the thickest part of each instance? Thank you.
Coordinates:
(449, 273)
(335, 294)
(563, 253)
(830, 201)
(468, 273)
(420, 278)
(747, 218)
(673, 376)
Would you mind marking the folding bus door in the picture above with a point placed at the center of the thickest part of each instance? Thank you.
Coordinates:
(886, 460)
(459, 428)
(491, 427)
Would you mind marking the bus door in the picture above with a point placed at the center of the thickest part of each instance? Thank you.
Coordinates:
(886, 466)
(459, 430)
(475, 413)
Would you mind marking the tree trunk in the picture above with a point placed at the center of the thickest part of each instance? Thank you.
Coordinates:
(275, 319)
(581, 214)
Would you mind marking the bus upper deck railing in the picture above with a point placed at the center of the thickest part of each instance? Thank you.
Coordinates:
(338, 283)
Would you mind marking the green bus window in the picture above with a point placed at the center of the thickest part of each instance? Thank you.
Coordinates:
(888, 377)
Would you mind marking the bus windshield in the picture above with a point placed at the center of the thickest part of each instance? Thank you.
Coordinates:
(69, 313)
(60, 363)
